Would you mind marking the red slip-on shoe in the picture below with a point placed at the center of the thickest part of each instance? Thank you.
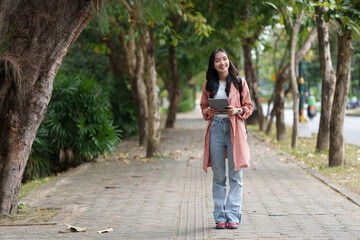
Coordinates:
(221, 225)
(232, 225)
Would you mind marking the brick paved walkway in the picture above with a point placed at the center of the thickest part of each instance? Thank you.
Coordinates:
(170, 197)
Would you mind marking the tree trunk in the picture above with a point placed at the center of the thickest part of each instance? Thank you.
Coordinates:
(294, 86)
(280, 85)
(41, 32)
(174, 91)
(270, 122)
(138, 90)
(153, 134)
(250, 71)
(345, 51)
(116, 62)
(272, 98)
(279, 103)
(328, 82)
(134, 65)
(252, 80)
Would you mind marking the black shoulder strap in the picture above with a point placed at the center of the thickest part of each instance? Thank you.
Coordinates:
(240, 90)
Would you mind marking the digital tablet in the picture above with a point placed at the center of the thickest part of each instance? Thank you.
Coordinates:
(219, 104)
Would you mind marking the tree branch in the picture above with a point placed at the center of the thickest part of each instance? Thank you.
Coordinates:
(252, 40)
(127, 6)
(300, 54)
(298, 22)
(286, 19)
(289, 18)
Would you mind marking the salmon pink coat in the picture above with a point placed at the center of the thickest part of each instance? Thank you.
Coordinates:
(238, 134)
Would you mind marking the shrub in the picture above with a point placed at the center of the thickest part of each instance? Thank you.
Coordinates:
(122, 105)
(78, 125)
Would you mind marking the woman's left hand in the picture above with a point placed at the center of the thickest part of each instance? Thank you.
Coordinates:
(230, 110)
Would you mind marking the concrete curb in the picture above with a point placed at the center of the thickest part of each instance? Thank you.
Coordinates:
(353, 197)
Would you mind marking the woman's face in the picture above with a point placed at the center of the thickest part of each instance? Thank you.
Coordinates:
(221, 62)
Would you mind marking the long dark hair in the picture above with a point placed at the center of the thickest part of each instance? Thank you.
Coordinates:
(212, 76)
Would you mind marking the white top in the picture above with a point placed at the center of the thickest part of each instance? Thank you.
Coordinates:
(221, 94)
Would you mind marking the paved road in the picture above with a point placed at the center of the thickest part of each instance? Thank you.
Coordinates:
(170, 198)
(351, 125)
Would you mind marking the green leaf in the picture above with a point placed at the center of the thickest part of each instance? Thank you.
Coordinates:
(354, 27)
(273, 5)
(174, 42)
(281, 20)
(326, 17)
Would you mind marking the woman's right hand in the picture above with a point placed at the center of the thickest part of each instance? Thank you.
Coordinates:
(212, 111)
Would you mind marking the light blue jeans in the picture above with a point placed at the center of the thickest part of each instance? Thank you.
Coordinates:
(225, 209)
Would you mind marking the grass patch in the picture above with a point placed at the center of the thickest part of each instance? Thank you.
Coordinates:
(26, 214)
(30, 215)
(33, 185)
(347, 176)
(353, 112)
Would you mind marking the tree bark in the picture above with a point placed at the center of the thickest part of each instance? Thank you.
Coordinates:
(294, 86)
(270, 122)
(134, 65)
(138, 90)
(280, 85)
(272, 98)
(148, 48)
(250, 71)
(279, 103)
(174, 91)
(345, 51)
(41, 32)
(328, 81)
(252, 80)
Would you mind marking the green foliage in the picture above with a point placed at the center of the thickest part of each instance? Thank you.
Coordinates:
(80, 108)
(122, 105)
(88, 56)
(37, 167)
(202, 28)
(316, 93)
(78, 125)
(187, 100)
(346, 13)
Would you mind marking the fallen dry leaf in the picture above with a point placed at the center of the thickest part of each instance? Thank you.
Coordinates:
(106, 230)
(74, 228)
(284, 160)
(310, 155)
(123, 155)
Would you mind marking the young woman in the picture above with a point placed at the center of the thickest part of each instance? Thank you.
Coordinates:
(226, 134)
